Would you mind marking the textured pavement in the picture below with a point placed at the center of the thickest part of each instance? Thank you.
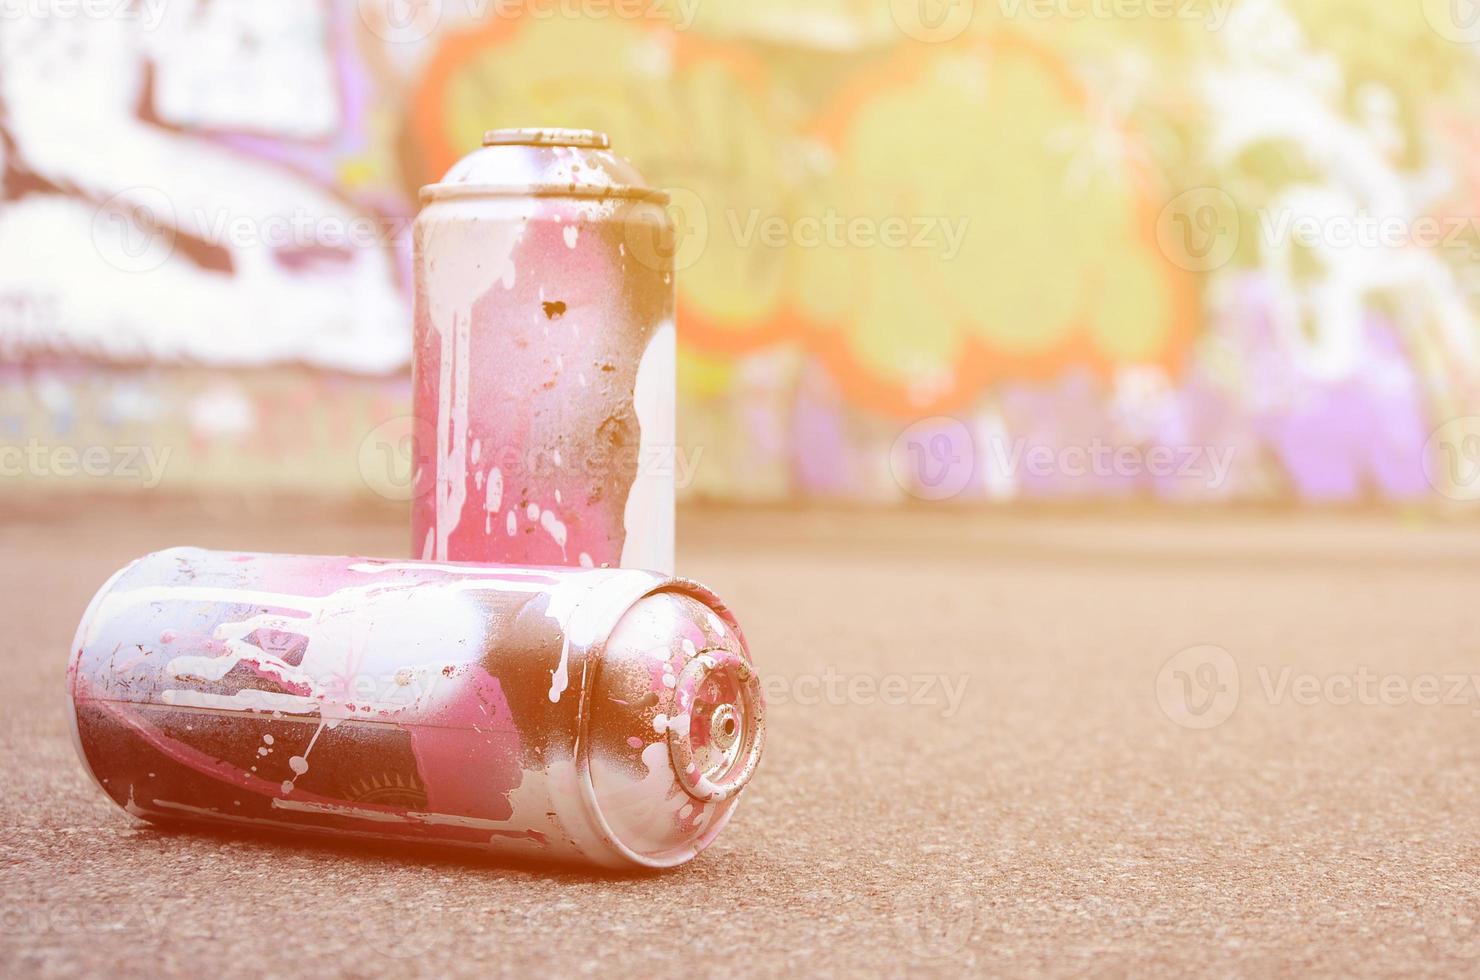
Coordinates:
(989, 754)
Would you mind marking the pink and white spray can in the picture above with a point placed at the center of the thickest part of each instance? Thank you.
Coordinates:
(545, 350)
(609, 716)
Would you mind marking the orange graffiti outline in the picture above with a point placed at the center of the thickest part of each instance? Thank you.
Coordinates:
(978, 364)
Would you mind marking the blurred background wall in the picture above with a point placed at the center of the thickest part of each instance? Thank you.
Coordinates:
(986, 250)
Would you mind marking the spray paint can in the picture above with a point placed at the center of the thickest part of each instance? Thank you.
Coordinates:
(606, 716)
(544, 358)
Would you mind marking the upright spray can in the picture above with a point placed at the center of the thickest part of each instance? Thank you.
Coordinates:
(609, 716)
(545, 348)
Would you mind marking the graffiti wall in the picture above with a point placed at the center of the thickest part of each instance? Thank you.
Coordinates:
(1191, 250)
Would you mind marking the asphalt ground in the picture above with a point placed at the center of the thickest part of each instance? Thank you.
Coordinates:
(1009, 744)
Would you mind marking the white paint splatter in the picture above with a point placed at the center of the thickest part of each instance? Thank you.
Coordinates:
(495, 498)
(555, 528)
(565, 600)
(678, 724)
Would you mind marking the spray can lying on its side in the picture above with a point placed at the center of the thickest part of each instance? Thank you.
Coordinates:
(601, 716)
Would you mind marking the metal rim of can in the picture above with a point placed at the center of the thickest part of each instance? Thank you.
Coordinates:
(550, 136)
(696, 783)
(588, 139)
(79, 640)
(440, 192)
